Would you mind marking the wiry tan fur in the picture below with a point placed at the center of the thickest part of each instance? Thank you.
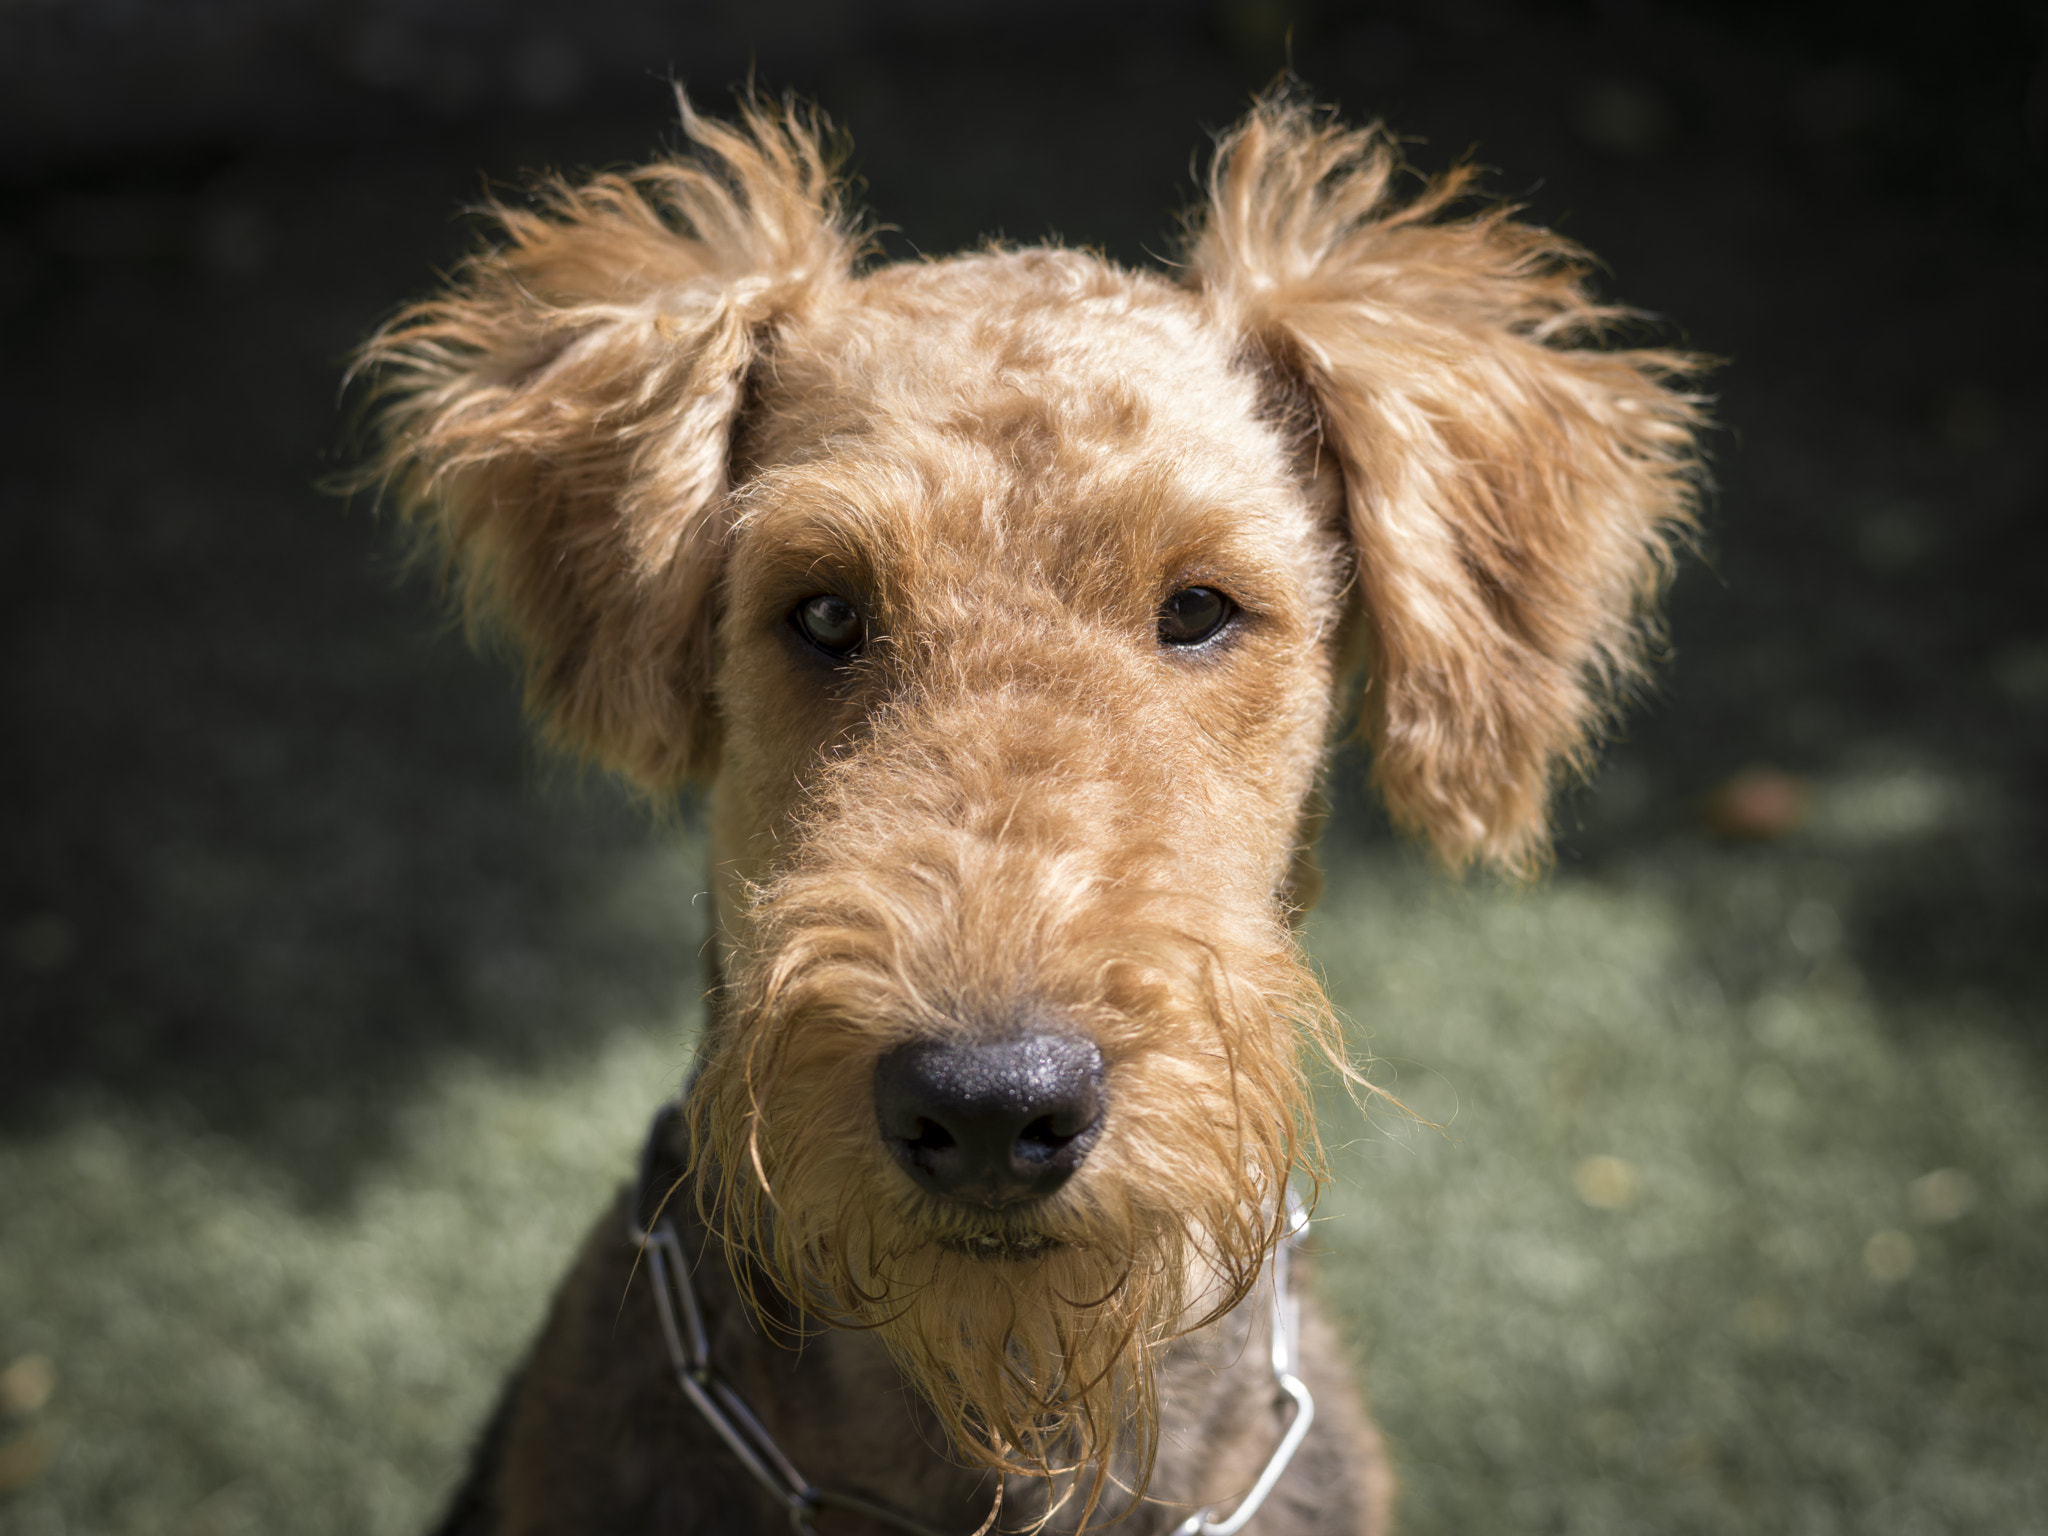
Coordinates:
(665, 408)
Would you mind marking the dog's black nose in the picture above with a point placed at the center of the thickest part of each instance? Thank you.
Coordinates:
(991, 1124)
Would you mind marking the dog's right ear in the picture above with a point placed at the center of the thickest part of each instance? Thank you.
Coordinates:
(1514, 487)
(557, 423)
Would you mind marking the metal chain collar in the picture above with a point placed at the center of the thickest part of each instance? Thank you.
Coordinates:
(1286, 1349)
(689, 1353)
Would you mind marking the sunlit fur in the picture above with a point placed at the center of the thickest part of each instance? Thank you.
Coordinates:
(1513, 491)
(665, 408)
(558, 419)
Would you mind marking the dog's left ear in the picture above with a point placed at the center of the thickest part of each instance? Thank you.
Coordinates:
(558, 423)
(1512, 493)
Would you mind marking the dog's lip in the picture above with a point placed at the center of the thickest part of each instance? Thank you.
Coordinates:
(995, 1244)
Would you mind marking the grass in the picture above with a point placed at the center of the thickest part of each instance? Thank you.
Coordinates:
(1693, 1231)
(1673, 1260)
(230, 1360)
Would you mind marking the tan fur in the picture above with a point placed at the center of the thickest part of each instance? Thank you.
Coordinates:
(665, 409)
(1512, 492)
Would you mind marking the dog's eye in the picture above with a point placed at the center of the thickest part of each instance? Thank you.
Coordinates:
(831, 623)
(1193, 615)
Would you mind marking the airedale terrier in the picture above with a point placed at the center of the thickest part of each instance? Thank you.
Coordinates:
(1007, 605)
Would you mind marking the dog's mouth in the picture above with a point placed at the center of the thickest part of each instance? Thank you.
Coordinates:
(1013, 1234)
(999, 1244)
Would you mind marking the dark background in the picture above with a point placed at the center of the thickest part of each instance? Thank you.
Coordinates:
(243, 783)
(269, 835)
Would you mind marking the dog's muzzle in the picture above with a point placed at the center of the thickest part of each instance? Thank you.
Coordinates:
(995, 1123)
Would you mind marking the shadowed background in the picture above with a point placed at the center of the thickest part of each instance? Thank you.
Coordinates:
(331, 1013)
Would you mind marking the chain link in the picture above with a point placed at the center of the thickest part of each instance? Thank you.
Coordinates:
(689, 1353)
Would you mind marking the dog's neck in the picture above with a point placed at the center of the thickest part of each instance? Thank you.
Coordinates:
(796, 1375)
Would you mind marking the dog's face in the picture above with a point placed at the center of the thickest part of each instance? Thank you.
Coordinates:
(1006, 604)
(1050, 536)
(1024, 671)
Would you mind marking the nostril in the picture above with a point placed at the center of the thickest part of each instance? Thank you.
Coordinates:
(931, 1136)
(1041, 1140)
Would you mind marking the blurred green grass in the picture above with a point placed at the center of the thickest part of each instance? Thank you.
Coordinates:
(229, 1359)
(1673, 1243)
(1673, 1258)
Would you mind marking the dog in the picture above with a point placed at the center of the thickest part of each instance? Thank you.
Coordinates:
(1007, 606)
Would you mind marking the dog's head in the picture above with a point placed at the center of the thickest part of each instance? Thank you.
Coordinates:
(1007, 604)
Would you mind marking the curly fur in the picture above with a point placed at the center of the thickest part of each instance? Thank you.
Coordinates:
(664, 408)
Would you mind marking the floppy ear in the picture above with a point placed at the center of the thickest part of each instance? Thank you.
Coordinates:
(557, 422)
(1513, 493)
